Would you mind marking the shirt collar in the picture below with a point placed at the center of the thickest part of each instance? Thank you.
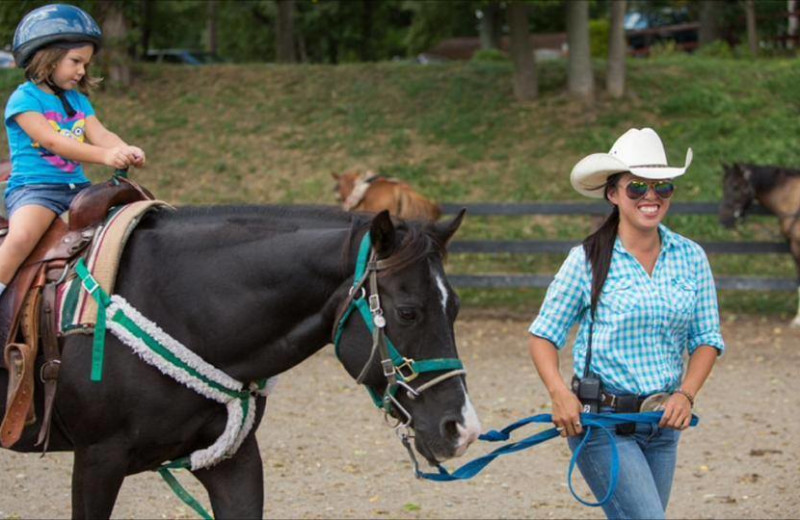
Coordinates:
(667, 239)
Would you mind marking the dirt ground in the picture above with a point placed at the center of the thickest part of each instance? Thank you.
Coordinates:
(327, 453)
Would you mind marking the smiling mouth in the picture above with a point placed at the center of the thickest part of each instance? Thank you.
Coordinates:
(649, 209)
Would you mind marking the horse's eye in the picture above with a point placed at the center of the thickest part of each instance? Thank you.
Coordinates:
(407, 314)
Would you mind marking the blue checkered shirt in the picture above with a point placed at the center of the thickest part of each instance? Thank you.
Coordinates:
(643, 323)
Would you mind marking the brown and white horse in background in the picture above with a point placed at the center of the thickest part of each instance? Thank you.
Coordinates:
(775, 188)
(373, 193)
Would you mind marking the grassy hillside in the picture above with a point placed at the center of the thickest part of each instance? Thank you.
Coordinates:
(273, 134)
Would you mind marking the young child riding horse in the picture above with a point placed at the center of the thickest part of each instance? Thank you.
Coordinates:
(52, 127)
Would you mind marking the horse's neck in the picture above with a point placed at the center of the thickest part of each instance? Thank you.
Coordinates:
(252, 308)
(781, 198)
(304, 302)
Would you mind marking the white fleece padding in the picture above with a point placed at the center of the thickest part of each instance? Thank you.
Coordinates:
(238, 425)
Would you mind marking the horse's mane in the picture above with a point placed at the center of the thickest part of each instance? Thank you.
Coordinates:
(416, 244)
(417, 241)
(765, 178)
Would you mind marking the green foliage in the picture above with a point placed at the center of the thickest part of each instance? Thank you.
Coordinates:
(435, 21)
(716, 49)
(490, 55)
(666, 48)
(599, 31)
(245, 31)
(177, 24)
(548, 16)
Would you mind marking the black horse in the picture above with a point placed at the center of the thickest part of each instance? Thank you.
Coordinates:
(775, 188)
(253, 291)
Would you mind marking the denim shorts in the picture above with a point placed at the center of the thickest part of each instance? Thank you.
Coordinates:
(55, 197)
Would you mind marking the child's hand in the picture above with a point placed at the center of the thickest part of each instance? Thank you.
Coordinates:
(138, 156)
(118, 157)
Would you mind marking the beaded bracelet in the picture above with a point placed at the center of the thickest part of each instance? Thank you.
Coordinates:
(686, 394)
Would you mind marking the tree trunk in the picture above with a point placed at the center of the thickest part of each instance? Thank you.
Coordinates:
(366, 51)
(211, 26)
(115, 43)
(284, 34)
(580, 81)
(491, 26)
(710, 13)
(752, 32)
(791, 29)
(147, 22)
(617, 50)
(525, 84)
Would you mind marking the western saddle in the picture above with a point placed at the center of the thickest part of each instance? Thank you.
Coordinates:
(28, 306)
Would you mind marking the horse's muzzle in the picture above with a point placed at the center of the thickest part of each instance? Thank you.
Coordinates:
(455, 434)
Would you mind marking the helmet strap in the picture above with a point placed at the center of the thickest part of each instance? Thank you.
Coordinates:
(61, 93)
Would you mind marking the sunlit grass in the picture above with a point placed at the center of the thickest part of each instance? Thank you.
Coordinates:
(262, 133)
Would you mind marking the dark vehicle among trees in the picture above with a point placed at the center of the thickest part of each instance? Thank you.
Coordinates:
(645, 29)
(183, 57)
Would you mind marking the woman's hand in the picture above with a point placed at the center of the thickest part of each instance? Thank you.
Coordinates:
(677, 412)
(567, 412)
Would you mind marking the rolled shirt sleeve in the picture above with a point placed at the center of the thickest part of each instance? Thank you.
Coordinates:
(704, 328)
(565, 300)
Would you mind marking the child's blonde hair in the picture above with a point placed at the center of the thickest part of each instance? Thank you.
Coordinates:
(44, 63)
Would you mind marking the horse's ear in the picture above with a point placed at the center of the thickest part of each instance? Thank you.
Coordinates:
(335, 176)
(444, 231)
(382, 233)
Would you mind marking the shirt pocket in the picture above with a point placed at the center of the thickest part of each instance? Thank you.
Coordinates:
(620, 295)
(683, 295)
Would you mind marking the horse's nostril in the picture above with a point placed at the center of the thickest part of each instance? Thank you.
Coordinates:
(449, 428)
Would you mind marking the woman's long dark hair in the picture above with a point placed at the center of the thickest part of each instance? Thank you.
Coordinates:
(599, 246)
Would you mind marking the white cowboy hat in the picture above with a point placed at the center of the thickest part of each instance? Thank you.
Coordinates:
(637, 151)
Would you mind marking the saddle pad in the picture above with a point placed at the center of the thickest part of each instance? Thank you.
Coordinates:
(77, 308)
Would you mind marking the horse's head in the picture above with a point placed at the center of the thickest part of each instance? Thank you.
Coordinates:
(344, 184)
(413, 372)
(738, 194)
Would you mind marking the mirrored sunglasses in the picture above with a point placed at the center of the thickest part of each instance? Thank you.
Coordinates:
(638, 189)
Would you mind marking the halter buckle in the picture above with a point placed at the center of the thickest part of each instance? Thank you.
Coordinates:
(408, 364)
(388, 368)
(374, 303)
(91, 289)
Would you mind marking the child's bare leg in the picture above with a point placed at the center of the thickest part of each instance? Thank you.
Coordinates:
(27, 225)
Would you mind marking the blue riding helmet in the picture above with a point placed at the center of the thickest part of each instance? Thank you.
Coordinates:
(54, 23)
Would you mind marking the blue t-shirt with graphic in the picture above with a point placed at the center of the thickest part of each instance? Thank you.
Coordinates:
(30, 162)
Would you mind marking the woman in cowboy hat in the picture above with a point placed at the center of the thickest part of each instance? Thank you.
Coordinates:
(643, 296)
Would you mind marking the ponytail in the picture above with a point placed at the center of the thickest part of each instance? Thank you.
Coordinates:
(599, 246)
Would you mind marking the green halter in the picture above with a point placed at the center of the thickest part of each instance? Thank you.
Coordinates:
(398, 370)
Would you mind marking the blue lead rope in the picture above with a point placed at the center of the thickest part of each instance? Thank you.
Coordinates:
(604, 422)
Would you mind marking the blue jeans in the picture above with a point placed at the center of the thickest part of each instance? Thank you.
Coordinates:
(646, 467)
(55, 197)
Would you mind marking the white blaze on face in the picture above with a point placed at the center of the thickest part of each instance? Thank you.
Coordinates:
(471, 429)
(442, 292)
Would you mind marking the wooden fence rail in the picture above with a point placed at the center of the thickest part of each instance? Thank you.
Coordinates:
(563, 246)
